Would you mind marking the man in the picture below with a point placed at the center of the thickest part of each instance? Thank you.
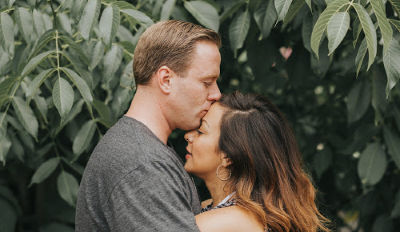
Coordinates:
(133, 180)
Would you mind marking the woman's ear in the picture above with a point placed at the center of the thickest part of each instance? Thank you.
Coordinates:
(225, 161)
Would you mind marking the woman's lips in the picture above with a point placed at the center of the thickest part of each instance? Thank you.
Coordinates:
(187, 156)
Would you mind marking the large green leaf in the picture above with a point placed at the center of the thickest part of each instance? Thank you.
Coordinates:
(266, 17)
(104, 113)
(395, 23)
(83, 138)
(5, 145)
(167, 9)
(98, 53)
(80, 84)
(111, 61)
(383, 22)
(369, 32)
(372, 164)
(8, 216)
(294, 8)
(7, 33)
(38, 22)
(63, 96)
(356, 31)
(306, 30)
(392, 141)
(35, 61)
(238, 29)
(67, 187)
(40, 43)
(322, 22)
(138, 16)
(362, 50)
(24, 19)
(204, 12)
(89, 18)
(65, 22)
(358, 101)
(282, 7)
(45, 170)
(5, 87)
(109, 23)
(309, 4)
(76, 109)
(391, 61)
(38, 81)
(396, 5)
(337, 29)
(25, 115)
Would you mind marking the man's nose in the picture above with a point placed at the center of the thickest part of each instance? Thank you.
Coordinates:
(214, 94)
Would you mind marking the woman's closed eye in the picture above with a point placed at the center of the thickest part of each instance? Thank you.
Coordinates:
(199, 132)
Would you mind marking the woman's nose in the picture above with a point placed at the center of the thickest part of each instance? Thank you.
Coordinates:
(189, 136)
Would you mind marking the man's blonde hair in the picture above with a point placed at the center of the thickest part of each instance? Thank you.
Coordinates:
(169, 43)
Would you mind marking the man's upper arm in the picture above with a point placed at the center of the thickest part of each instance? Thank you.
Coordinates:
(149, 200)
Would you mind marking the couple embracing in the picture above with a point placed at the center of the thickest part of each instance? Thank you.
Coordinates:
(239, 144)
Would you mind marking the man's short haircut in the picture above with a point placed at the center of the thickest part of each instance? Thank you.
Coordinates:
(170, 43)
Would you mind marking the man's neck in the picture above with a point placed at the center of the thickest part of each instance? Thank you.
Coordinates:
(146, 109)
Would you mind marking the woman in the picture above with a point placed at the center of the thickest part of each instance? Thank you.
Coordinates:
(247, 155)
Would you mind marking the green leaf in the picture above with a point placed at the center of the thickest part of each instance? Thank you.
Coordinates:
(104, 113)
(358, 101)
(109, 23)
(383, 22)
(282, 7)
(83, 138)
(42, 106)
(396, 6)
(369, 32)
(338, 26)
(203, 12)
(391, 61)
(63, 96)
(322, 22)
(167, 9)
(42, 42)
(322, 161)
(8, 216)
(65, 22)
(306, 30)
(45, 170)
(265, 17)
(7, 33)
(395, 23)
(35, 61)
(67, 187)
(356, 31)
(111, 61)
(38, 81)
(5, 145)
(38, 22)
(294, 8)
(238, 29)
(372, 164)
(392, 141)
(98, 53)
(5, 87)
(309, 4)
(229, 11)
(89, 18)
(24, 19)
(138, 16)
(378, 100)
(362, 50)
(80, 84)
(76, 109)
(25, 116)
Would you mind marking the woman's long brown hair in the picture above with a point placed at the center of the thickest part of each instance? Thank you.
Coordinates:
(267, 169)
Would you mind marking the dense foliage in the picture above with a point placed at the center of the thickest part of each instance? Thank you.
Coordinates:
(65, 77)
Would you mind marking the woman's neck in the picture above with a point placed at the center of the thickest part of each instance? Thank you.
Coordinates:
(218, 190)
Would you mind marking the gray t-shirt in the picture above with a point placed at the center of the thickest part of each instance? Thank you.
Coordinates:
(134, 182)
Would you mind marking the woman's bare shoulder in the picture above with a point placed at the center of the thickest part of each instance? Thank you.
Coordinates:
(232, 219)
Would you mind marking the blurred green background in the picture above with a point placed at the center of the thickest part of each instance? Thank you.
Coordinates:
(330, 65)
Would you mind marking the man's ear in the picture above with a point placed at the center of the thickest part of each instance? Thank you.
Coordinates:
(163, 78)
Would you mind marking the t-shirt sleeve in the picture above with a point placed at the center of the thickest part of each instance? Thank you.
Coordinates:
(150, 198)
